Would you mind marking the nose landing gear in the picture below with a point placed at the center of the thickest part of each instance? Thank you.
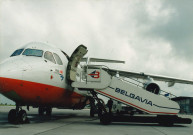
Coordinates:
(17, 116)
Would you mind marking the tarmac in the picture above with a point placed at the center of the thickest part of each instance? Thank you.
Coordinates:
(78, 122)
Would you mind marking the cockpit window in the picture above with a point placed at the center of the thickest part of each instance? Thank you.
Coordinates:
(58, 60)
(17, 52)
(33, 52)
(49, 56)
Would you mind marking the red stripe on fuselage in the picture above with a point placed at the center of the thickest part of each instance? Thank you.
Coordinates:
(41, 94)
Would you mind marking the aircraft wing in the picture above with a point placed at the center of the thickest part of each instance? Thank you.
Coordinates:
(88, 60)
(171, 80)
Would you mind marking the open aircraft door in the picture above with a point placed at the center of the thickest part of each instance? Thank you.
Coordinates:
(74, 61)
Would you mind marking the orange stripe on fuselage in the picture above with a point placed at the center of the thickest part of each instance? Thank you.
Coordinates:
(41, 94)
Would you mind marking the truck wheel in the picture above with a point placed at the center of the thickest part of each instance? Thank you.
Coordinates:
(106, 119)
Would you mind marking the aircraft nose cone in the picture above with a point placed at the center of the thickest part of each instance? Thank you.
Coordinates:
(10, 70)
(8, 73)
(10, 79)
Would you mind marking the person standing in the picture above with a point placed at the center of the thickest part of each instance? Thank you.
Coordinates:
(109, 105)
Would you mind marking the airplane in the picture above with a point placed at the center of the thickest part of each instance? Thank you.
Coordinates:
(40, 75)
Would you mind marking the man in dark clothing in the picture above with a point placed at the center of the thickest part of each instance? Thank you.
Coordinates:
(109, 105)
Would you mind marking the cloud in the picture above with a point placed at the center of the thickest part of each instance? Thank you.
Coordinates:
(178, 28)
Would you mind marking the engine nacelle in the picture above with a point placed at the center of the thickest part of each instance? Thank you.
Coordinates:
(152, 87)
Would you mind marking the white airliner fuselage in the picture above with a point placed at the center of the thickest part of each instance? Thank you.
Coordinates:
(35, 75)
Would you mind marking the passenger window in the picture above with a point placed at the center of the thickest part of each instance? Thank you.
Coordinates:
(49, 56)
(58, 60)
(17, 52)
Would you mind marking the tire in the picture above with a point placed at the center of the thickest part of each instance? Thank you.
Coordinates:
(22, 116)
(12, 116)
(106, 119)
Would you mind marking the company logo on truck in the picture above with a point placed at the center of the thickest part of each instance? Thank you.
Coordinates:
(133, 96)
(95, 74)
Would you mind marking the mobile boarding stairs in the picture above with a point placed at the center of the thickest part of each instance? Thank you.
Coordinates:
(98, 79)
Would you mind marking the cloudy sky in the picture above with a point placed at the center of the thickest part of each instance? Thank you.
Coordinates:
(153, 36)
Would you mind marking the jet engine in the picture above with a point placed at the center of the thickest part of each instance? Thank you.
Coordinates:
(151, 86)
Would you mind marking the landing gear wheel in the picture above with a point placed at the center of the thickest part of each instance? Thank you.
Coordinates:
(15, 117)
(106, 118)
(22, 116)
(12, 116)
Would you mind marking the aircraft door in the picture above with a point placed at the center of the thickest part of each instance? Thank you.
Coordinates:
(74, 60)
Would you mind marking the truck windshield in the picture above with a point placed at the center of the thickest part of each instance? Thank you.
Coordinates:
(33, 52)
